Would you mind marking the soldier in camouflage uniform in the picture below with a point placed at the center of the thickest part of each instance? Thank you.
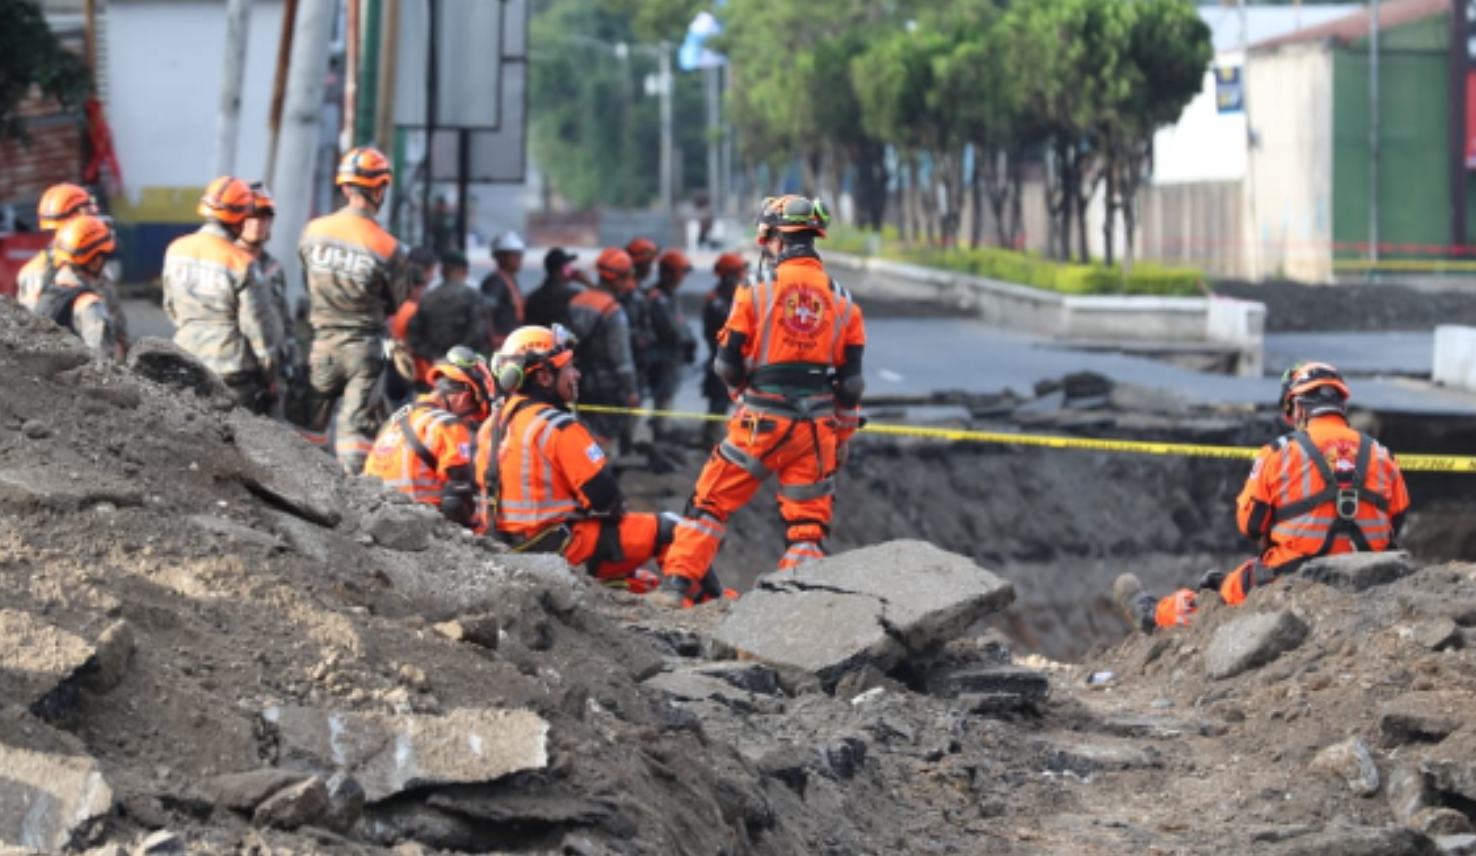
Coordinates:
(214, 296)
(254, 237)
(453, 313)
(59, 204)
(357, 275)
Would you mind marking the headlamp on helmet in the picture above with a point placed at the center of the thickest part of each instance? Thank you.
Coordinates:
(790, 214)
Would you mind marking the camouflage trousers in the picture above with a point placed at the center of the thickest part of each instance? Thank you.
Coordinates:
(346, 368)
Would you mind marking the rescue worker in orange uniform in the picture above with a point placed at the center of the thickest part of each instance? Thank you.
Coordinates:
(546, 484)
(399, 383)
(357, 275)
(60, 203)
(791, 354)
(73, 298)
(598, 320)
(631, 293)
(213, 293)
(1322, 489)
(424, 450)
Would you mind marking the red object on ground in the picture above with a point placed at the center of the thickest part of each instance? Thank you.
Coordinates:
(16, 249)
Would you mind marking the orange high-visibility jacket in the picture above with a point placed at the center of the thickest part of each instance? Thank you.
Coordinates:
(397, 463)
(1290, 501)
(796, 327)
(545, 459)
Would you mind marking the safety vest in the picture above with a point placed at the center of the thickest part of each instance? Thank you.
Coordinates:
(532, 459)
(417, 448)
(1322, 510)
(35, 277)
(801, 319)
(61, 304)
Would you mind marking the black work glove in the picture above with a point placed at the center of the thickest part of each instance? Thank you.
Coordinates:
(458, 502)
(1211, 580)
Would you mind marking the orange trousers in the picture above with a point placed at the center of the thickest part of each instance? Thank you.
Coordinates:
(801, 452)
(1180, 607)
(612, 552)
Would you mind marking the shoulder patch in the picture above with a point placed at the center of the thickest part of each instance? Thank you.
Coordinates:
(594, 453)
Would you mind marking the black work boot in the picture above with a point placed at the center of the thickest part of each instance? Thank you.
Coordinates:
(1137, 605)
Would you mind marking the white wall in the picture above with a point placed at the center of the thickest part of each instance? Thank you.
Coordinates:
(1204, 145)
(165, 65)
(1288, 187)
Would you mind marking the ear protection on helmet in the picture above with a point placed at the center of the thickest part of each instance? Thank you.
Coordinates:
(509, 373)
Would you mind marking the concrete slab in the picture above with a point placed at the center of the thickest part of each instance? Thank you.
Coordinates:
(390, 754)
(868, 607)
(288, 470)
(48, 801)
(1251, 642)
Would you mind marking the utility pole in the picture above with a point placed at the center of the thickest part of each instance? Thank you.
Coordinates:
(292, 180)
(228, 120)
(384, 110)
(668, 201)
(1373, 138)
(712, 82)
(279, 85)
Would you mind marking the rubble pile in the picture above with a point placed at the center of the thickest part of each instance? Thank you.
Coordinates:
(211, 642)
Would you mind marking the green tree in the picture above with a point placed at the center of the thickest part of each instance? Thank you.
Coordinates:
(30, 55)
(1171, 47)
(792, 98)
(592, 128)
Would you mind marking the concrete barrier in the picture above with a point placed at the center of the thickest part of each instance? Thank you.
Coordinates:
(1237, 326)
(1455, 357)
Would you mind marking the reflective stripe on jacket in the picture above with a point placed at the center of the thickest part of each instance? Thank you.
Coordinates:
(220, 308)
(395, 461)
(1288, 501)
(544, 459)
(357, 273)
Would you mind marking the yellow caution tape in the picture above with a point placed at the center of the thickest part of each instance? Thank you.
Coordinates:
(1409, 463)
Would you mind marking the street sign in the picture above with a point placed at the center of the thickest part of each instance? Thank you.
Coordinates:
(1229, 89)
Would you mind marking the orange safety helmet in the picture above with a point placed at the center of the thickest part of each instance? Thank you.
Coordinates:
(364, 166)
(61, 202)
(262, 199)
(82, 239)
(642, 250)
(614, 263)
(465, 383)
(529, 349)
(792, 213)
(228, 200)
(1305, 378)
(675, 261)
(729, 264)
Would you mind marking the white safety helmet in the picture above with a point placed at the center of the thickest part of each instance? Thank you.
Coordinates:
(508, 242)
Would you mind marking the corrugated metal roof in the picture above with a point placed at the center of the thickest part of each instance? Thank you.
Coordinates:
(1392, 13)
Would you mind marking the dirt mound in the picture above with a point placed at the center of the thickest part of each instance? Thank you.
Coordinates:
(203, 621)
(1293, 307)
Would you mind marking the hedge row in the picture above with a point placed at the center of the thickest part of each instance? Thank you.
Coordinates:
(1023, 268)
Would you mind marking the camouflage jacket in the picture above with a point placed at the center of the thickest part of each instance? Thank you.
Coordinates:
(221, 310)
(357, 273)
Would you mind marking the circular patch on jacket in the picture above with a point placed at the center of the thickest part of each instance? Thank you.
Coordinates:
(803, 310)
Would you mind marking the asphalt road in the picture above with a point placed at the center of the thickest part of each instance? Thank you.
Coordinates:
(1389, 371)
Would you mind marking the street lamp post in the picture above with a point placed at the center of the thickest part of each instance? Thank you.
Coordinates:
(662, 52)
